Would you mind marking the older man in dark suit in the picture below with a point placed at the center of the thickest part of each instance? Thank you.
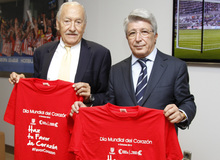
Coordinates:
(89, 63)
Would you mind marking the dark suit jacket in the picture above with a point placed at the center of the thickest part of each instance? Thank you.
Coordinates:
(168, 84)
(93, 68)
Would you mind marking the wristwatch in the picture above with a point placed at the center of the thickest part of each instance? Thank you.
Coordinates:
(91, 98)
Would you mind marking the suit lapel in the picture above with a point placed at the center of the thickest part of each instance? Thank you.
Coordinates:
(158, 69)
(47, 59)
(127, 72)
(84, 59)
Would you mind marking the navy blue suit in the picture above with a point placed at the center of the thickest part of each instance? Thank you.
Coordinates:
(168, 84)
(93, 67)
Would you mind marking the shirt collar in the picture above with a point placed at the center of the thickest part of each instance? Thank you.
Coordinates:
(63, 45)
(151, 57)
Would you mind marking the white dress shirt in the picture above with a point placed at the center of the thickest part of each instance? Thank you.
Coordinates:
(136, 67)
(57, 58)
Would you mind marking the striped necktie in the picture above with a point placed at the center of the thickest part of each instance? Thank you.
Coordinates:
(142, 81)
(64, 73)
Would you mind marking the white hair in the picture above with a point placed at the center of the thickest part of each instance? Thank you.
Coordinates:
(70, 3)
(141, 15)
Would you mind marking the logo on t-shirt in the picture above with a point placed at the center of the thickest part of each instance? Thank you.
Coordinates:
(112, 150)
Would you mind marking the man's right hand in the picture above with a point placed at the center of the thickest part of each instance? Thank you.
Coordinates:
(76, 106)
(14, 77)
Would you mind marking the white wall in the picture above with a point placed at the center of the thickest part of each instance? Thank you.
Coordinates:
(202, 138)
(105, 25)
(5, 91)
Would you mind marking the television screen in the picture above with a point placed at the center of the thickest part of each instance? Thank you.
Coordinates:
(196, 30)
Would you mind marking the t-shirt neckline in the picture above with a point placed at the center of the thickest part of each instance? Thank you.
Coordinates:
(123, 112)
(46, 86)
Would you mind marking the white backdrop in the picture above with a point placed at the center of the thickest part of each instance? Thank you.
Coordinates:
(105, 23)
(105, 26)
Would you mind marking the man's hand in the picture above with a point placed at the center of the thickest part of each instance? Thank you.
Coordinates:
(14, 77)
(173, 114)
(83, 89)
(76, 106)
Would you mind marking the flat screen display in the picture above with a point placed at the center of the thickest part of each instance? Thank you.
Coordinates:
(196, 30)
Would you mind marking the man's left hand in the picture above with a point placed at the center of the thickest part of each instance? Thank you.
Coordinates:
(173, 114)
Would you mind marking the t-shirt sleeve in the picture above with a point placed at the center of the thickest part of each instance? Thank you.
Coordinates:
(10, 110)
(77, 135)
(173, 150)
(70, 119)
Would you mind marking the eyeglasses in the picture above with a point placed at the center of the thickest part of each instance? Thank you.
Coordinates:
(144, 33)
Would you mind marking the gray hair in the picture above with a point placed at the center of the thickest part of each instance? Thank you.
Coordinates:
(70, 3)
(141, 15)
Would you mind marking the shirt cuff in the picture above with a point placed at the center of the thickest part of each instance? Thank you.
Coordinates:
(185, 119)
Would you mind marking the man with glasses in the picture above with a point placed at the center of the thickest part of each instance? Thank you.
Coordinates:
(166, 85)
(150, 78)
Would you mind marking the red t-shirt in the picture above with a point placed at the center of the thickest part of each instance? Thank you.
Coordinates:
(111, 132)
(37, 108)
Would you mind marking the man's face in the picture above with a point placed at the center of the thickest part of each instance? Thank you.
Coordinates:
(72, 24)
(141, 38)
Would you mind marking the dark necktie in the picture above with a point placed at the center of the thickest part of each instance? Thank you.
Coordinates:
(142, 81)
